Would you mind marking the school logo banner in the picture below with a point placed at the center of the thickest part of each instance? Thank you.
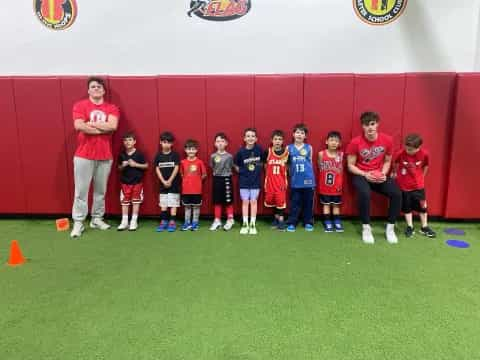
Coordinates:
(379, 12)
(56, 14)
(219, 10)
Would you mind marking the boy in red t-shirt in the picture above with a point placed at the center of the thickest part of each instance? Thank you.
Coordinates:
(193, 172)
(410, 167)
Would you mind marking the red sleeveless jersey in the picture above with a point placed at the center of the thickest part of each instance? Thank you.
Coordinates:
(276, 171)
(330, 180)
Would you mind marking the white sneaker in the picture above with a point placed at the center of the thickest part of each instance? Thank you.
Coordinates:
(133, 225)
(98, 223)
(244, 230)
(390, 234)
(123, 226)
(215, 225)
(228, 224)
(367, 236)
(77, 229)
(252, 230)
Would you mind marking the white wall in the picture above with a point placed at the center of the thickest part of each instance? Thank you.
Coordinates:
(277, 36)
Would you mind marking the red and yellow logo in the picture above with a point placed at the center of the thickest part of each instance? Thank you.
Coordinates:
(56, 14)
(379, 12)
(219, 10)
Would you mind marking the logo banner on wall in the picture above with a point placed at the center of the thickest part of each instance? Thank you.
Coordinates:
(56, 14)
(219, 10)
(379, 12)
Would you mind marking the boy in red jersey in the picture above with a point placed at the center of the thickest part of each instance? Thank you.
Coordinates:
(410, 168)
(276, 158)
(193, 172)
(330, 182)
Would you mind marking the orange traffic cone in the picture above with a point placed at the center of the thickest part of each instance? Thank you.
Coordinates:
(16, 257)
(62, 224)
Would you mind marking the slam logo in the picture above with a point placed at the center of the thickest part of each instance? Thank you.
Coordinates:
(379, 12)
(56, 14)
(219, 10)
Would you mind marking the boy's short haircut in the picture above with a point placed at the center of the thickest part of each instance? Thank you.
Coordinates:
(301, 127)
(368, 116)
(129, 135)
(413, 140)
(334, 134)
(220, 135)
(97, 80)
(278, 133)
(191, 143)
(167, 136)
(250, 129)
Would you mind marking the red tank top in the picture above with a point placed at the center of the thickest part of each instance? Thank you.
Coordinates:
(276, 171)
(330, 180)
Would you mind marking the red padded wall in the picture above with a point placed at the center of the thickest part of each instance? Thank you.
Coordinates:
(43, 147)
(12, 185)
(464, 178)
(428, 101)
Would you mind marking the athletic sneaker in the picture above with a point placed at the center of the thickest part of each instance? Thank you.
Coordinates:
(228, 224)
(327, 224)
(98, 223)
(133, 225)
(282, 226)
(172, 226)
(390, 234)
(367, 236)
(215, 225)
(409, 232)
(244, 229)
(291, 228)
(309, 227)
(123, 226)
(428, 232)
(195, 226)
(77, 230)
(252, 230)
(163, 226)
(275, 223)
(186, 226)
(338, 226)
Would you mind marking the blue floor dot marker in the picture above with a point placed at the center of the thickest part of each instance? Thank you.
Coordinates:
(458, 243)
(453, 231)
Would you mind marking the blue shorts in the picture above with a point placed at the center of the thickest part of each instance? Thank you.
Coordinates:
(249, 194)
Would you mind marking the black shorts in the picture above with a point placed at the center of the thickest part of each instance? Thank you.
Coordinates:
(192, 200)
(330, 199)
(222, 190)
(414, 201)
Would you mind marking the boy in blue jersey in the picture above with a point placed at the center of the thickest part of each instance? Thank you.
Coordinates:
(302, 179)
(248, 163)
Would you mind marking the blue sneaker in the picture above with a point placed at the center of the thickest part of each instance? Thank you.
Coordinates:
(291, 228)
(195, 226)
(338, 226)
(275, 223)
(163, 226)
(172, 226)
(327, 224)
(309, 227)
(186, 226)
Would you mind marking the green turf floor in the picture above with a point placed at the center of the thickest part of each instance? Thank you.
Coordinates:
(145, 295)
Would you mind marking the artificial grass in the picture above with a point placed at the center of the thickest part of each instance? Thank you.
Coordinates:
(145, 295)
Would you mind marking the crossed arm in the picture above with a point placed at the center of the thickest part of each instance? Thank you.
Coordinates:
(96, 128)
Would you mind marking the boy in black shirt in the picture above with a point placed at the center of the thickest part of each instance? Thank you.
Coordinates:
(132, 165)
(167, 163)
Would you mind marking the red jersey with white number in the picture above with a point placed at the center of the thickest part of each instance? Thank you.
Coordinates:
(330, 179)
(370, 154)
(94, 147)
(410, 169)
(192, 172)
(276, 171)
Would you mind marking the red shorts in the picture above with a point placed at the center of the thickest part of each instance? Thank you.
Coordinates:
(276, 199)
(131, 194)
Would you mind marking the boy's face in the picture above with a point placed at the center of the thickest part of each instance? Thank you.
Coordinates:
(277, 141)
(410, 150)
(250, 138)
(96, 90)
(370, 130)
(299, 136)
(220, 143)
(166, 145)
(129, 143)
(333, 143)
(191, 151)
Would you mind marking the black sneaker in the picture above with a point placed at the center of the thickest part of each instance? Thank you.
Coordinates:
(428, 232)
(409, 231)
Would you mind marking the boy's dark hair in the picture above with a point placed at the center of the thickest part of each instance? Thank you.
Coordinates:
(368, 116)
(277, 133)
(96, 79)
(191, 143)
(413, 140)
(129, 135)
(334, 134)
(220, 135)
(302, 127)
(167, 136)
(250, 129)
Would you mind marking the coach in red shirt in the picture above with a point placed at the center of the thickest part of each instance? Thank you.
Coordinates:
(369, 159)
(95, 120)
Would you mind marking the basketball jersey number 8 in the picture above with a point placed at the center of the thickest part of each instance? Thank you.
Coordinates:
(330, 179)
(300, 168)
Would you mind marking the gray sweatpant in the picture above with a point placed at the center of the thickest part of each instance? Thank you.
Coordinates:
(84, 171)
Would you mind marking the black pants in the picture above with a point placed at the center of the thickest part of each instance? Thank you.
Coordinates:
(388, 188)
(301, 200)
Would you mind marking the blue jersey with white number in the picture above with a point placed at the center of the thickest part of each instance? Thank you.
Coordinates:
(301, 168)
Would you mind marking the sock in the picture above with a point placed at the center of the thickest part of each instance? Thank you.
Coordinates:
(164, 215)
(134, 217)
(252, 221)
(218, 211)
(196, 214)
(367, 227)
(390, 227)
(336, 218)
(230, 211)
(326, 217)
(173, 217)
(188, 213)
(125, 219)
(245, 220)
